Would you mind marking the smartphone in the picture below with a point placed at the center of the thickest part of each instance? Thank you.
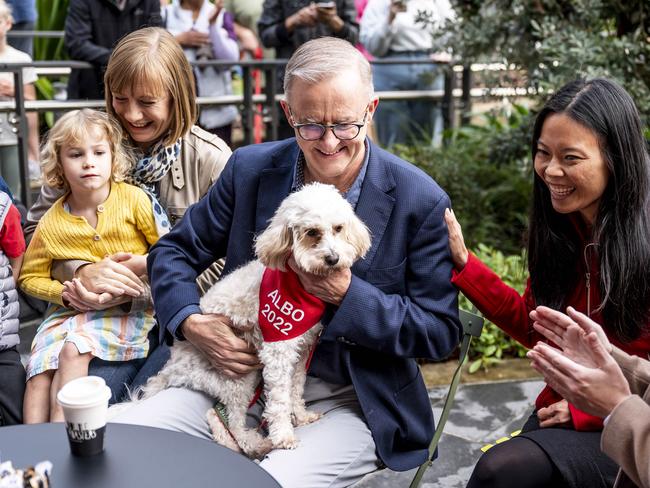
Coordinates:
(325, 4)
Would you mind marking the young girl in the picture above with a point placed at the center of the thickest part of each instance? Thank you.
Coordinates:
(98, 216)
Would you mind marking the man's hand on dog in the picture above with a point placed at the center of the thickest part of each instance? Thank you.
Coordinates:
(213, 336)
(330, 288)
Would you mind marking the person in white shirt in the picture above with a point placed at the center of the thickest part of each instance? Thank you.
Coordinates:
(389, 30)
(206, 31)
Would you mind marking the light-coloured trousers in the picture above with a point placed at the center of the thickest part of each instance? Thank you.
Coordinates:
(335, 451)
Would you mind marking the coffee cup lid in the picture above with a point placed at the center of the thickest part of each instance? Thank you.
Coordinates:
(84, 392)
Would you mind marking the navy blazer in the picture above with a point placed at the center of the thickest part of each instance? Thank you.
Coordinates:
(400, 304)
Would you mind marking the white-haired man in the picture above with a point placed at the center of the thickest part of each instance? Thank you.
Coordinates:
(395, 305)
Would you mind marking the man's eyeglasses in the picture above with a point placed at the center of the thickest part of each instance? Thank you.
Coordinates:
(343, 132)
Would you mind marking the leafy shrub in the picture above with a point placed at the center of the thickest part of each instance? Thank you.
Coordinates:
(485, 169)
(494, 344)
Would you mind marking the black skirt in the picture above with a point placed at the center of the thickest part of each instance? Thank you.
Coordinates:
(576, 455)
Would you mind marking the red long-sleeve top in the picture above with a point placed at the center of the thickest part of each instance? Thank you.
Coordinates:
(504, 306)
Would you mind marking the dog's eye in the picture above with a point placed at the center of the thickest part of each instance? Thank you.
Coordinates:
(312, 233)
(338, 228)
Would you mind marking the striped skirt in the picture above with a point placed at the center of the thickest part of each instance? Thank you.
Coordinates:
(111, 335)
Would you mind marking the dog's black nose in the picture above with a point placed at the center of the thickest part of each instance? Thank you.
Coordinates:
(332, 259)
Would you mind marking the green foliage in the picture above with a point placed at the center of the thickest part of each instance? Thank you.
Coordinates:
(494, 344)
(51, 17)
(486, 171)
(555, 41)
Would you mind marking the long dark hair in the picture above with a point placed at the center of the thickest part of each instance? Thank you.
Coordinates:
(621, 229)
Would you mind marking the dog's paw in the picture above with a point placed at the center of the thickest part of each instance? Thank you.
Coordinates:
(286, 442)
(254, 444)
(220, 432)
(263, 447)
(305, 417)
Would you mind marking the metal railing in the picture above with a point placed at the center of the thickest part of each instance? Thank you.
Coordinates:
(249, 103)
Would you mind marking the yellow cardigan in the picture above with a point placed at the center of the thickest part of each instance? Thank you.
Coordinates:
(125, 223)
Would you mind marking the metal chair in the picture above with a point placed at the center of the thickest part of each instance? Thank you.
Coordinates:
(472, 327)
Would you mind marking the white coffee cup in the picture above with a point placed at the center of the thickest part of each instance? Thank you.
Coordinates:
(85, 402)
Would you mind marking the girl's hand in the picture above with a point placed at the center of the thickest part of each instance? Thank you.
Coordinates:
(110, 276)
(71, 299)
(555, 415)
(459, 253)
(76, 296)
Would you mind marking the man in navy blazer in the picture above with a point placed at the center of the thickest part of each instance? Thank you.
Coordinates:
(397, 304)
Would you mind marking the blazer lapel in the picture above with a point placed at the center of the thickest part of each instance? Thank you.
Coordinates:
(375, 204)
(275, 184)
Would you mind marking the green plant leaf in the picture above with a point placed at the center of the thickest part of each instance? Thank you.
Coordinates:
(474, 367)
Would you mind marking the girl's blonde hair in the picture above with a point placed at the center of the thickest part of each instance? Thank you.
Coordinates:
(153, 59)
(75, 128)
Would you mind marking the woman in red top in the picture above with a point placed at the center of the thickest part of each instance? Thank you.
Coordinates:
(587, 248)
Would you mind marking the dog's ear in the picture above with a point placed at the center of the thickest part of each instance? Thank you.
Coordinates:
(358, 235)
(273, 246)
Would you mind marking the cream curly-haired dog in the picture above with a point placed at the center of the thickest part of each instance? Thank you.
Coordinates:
(320, 229)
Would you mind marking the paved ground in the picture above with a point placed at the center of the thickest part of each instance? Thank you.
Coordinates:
(482, 413)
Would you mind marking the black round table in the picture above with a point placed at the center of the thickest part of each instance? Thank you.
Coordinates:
(134, 456)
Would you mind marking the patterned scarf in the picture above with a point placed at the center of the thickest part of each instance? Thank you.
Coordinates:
(149, 170)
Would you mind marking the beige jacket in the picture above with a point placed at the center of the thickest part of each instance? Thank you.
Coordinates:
(202, 158)
(626, 436)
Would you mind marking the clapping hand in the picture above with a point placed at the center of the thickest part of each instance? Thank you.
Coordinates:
(583, 371)
(568, 331)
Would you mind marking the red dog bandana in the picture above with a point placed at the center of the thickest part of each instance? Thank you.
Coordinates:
(286, 309)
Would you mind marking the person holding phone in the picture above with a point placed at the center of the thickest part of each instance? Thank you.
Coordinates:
(389, 29)
(286, 26)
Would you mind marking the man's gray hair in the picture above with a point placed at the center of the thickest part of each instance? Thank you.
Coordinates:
(324, 58)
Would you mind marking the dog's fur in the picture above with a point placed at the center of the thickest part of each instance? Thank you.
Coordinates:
(319, 228)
